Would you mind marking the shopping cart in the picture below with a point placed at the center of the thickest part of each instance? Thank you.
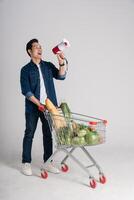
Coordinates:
(77, 131)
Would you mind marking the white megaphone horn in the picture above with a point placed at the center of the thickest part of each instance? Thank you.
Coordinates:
(61, 46)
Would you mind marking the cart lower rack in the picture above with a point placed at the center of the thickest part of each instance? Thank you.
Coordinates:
(77, 131)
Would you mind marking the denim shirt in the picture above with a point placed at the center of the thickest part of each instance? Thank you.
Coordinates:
(30, 82)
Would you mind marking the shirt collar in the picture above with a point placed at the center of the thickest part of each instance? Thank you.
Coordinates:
(33, 64)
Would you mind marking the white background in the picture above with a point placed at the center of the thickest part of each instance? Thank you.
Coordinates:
(99, 83)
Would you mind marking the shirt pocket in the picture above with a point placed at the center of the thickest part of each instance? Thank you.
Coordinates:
(34, 78)
(50, 75)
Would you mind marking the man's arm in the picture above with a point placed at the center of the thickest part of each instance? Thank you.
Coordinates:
(26, 89)
(35, 100)
(37, 103)
(62, 64)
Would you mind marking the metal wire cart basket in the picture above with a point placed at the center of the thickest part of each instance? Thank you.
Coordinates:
(77, 131)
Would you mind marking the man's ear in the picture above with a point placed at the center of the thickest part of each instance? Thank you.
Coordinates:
(29, 51)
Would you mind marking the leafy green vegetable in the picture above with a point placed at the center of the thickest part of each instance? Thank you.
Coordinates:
(82, 132)
(64, 135)
(92, 137)
(77, 134)
(65, 109)
(78, 141)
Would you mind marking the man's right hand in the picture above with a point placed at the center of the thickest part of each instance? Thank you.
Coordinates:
(41, 107)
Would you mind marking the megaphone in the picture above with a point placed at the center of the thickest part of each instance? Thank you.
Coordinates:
(61, 46)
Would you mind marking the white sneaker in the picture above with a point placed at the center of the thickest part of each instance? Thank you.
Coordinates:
(50, 168)
(26, 169)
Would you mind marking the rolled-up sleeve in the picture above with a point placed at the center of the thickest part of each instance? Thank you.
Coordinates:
(62, 77)
(25, 85)
(55, 72)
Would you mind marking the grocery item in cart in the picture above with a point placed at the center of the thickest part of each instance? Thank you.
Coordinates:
(78, 134)
(74, 131)
(92, 137)
(93, 125)
(65, 109)
(59, 121)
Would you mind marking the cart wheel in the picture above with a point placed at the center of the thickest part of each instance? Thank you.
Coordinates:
(44, 174)
(93, 184)
(64, 168)
(102, 179)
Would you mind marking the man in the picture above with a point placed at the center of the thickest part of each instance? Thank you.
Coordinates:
(36, 85)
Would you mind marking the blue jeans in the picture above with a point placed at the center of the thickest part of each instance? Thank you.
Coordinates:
(31, 124)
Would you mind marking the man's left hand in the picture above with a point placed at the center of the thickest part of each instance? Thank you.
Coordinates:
(60, 57)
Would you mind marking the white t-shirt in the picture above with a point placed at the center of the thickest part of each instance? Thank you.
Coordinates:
(43, 94)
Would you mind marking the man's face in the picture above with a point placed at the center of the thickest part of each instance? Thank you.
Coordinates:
(36, 51)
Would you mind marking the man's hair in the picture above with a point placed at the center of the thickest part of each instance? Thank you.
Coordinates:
(29, 45)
